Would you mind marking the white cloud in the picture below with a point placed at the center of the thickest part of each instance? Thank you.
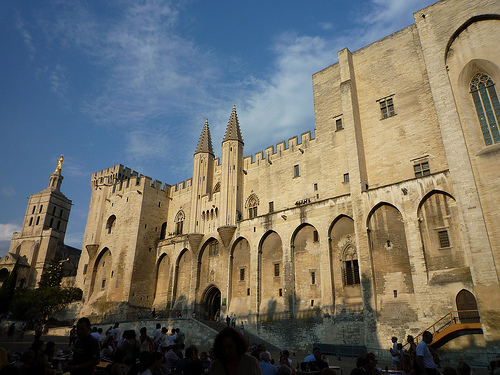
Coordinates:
(6, 231)
(27, 39)
(326, 25)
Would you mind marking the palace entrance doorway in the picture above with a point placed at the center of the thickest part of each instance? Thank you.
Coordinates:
(210, 303)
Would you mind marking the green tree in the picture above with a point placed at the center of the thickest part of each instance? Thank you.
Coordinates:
(42, 302)
(7, 290)
(53, 275)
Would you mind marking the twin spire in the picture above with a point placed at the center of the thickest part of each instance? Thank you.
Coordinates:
(233, 133)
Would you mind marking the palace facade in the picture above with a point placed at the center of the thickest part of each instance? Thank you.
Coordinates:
(381, 222)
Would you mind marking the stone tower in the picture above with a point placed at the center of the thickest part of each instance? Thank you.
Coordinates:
(203, 166)
(232, 178)
(44, 227)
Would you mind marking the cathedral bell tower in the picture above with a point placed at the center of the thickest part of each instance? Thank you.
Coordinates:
(203, 166)
(231, 179)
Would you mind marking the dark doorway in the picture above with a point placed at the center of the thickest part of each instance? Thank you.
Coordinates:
(210, 304)
(467, 307)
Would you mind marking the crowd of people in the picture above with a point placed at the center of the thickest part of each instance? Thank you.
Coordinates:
(118, 353)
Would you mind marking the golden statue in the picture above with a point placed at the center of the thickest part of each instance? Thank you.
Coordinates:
(59, 164)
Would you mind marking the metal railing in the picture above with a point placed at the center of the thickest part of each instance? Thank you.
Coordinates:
(450, 319)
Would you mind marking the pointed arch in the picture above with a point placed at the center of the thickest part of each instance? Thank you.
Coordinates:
(239, 279)
(216, 188)
(102, 271)
(110, 223)
(179, 222)
(163, 269)
(182, 284)
(487, 105)
(389, 254)
(306, 260)
(251, 205)
(270, 270)
(467, 307)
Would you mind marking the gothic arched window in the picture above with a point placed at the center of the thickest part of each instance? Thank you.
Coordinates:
(252, 203)
(350, 267)
(487, 106)
(179, 221)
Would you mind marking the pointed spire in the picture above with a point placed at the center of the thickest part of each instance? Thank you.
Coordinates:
(233, 131)
(205, 142)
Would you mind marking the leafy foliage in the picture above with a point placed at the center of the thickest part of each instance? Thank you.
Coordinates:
(53, 275)
(7, 290)
(42, 302)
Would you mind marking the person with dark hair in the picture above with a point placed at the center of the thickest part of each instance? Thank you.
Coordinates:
(230, 349)
(424, 357)
(85, 352)
(155, 363)
(40, 364)
(171, 358)
(115, 367)
(146, 344)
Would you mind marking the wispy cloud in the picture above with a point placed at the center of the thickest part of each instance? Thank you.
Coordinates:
(8, 191)
(27, 39)
(6, 231)
(58, 80)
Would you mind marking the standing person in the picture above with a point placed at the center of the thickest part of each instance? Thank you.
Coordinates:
(163, 343)
(425, 362)
(233, 321)
(38, 331)
(231, 359)
(181, 337)
(11, 331)
(85, 352)
(116, 333)
(412, 351)
(157, 336)
(22, 331)
(146, 344)
(228, 320)
(171, 338)
(72, 336)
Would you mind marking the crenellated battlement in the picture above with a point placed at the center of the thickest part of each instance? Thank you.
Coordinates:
(120, 179)
(181, 187)
(270, 153)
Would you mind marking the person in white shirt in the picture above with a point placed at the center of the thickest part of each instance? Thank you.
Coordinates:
(424, 357)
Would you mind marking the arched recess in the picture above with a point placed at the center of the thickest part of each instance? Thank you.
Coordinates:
(270, 275)
(102, 272)
(440, 234)
(4, 273)
(163, 270)
(239, 281)
(182, 282)
(251, 205)
(110, 224)
(305, 252)
(390, 260)
(344, 263)
(179, 222)
(209, 267)
(210, 303)
(467, 307)
(163, 233)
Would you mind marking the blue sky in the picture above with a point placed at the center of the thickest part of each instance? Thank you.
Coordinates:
(132, 82)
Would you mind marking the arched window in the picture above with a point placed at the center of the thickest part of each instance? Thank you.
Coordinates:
(110, 223)
(4, 273)
(487, 106)
(216, 188)
(252, 203)
(163, 232)
(213, 248)
(179, 221)
(350, 267)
